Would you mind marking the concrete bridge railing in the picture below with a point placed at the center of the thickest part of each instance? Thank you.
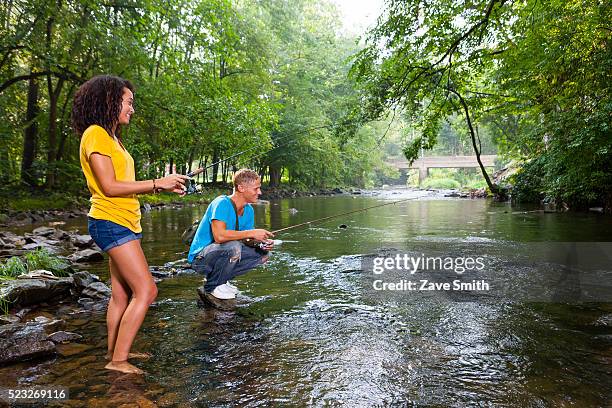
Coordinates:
(444, 162)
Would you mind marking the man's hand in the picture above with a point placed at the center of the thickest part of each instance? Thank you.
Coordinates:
(268, 245)
(261, 234)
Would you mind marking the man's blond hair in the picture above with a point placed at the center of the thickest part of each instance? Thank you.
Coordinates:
(244, 176)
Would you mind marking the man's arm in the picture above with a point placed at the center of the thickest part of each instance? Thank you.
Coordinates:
(221, 234)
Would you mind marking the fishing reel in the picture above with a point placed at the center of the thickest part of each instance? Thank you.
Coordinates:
(190, 184)
(260, 246)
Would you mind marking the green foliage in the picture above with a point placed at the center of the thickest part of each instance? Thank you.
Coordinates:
(451, 178)
(213, 78)
(33, 260)
(533, 76)
(22, 202)
(12, 267)
(41, 259)
(528, 183)
(206, 196)
(440, 183)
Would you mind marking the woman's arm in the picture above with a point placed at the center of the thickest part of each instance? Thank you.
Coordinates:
(102, 167)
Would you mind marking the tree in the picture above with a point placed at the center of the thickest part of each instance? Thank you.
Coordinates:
(537, 73)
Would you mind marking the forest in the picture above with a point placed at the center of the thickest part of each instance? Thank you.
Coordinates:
(278, 86)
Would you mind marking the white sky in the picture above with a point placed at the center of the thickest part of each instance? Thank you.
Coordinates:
(359, 15)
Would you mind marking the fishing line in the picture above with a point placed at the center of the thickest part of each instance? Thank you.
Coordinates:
(262, 246)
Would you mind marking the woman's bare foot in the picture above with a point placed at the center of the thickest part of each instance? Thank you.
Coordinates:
(124, 367)
(141, 356)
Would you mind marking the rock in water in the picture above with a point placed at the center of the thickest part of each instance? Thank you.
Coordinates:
(20, 342)
(7, 319)
(86, 255)
(97, 290)
(83, 279)
(24, 292)
(64, 337)
(44, 231)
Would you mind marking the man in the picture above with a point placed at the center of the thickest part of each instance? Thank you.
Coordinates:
(217, 250)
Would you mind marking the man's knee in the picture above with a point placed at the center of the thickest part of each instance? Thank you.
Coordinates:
(234, 250)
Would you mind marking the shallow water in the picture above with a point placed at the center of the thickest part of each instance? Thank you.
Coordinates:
(309, 334)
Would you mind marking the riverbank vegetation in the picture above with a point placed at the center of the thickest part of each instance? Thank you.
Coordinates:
(278, 86)
(213, 78)
(534, 74)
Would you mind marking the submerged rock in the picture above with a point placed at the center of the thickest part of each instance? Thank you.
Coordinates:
(19, 342)
(64, 337)
(158, 273)
(24, 292)
(54, 325)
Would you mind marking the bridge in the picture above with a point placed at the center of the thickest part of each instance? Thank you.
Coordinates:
(443, 162)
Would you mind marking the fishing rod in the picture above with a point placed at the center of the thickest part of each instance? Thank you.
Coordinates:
(261, 246)
(191, 184)
(264, 247)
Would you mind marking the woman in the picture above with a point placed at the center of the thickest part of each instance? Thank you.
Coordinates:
(101, 106)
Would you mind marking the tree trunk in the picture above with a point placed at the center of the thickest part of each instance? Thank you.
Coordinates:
(31, 134)
(215, 167)
(189, 160)
(275, 176)
(499, 193)
(52, 137)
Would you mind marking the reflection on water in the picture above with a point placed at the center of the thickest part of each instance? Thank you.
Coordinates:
(306, 334)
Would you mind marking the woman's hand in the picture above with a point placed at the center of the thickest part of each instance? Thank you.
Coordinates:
(174, 183)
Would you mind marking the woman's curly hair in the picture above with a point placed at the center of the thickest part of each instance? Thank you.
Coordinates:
(98, 102)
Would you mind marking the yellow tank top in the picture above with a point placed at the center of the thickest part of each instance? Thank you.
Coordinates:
(125, 210)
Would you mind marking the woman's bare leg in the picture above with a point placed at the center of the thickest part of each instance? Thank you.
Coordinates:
(117, 304)
(129, 260)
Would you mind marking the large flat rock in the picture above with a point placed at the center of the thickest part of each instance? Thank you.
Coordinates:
(19, 342)
(24, 292)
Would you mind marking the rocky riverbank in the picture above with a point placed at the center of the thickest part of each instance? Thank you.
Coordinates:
(38, 303)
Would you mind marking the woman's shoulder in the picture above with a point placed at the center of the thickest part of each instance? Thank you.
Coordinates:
(95, 131)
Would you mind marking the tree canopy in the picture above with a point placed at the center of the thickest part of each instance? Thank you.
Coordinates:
(535, 73)
(213, 78)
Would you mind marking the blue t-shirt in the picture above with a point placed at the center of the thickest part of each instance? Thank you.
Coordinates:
(220, 209)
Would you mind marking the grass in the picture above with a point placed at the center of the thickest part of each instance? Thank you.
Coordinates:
(12, 267)
(33, 260)
(34, 202)
(4, 305)
(28, 201)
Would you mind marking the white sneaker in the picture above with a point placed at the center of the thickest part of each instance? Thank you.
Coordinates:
(223, 292)
(232, 287)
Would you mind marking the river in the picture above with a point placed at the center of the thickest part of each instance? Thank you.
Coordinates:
(308, 333)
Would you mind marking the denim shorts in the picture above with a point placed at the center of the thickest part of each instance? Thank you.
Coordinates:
(107, 234)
